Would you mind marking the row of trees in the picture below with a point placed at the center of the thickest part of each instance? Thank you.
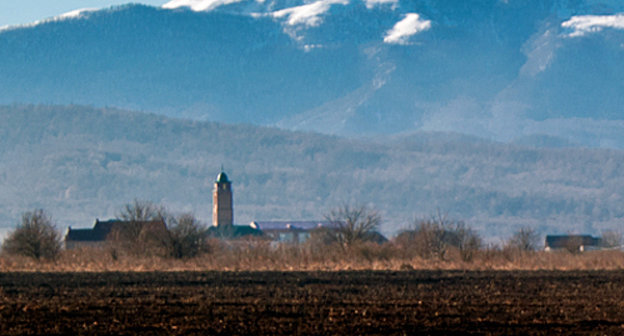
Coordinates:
(186, 237)
(36, 235)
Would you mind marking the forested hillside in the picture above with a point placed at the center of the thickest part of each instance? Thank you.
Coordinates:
(82, 163)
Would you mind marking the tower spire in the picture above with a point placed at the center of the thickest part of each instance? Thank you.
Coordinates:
(222, 213)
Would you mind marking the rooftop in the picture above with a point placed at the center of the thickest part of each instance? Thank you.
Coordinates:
(222, 178)
(294, 225)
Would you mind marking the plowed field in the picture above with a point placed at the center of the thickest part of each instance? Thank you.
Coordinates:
(324, 303)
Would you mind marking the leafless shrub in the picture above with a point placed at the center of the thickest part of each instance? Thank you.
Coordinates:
(468, 241)
(511, 253)
(355, 225)
(490, 253)
(135, 214)
(142, 211)
(371, 252)
(322, 237)
(432, 238)
(144, 229)
(187, 237)
(35, 237)
(612, 239)
(322, 244)
(425, 240)
(526, 239)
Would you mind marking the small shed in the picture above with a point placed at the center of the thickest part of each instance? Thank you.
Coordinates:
(578, 243)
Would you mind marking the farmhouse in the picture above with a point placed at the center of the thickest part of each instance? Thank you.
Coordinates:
(572, 242)
(104, 231)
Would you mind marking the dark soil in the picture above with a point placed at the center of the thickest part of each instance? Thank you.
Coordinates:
(327, 303)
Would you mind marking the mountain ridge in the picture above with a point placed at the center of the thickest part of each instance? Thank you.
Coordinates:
(501, 70)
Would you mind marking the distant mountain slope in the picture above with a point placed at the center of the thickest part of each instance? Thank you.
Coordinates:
(83, 163)
(497, 69)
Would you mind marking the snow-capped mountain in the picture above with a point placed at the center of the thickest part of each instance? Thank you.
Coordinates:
(493, 68)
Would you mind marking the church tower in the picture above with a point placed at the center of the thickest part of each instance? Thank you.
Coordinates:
(223, 210)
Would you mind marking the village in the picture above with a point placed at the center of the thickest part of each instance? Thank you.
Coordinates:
(347, 234)
(223, 227)
(284, 232)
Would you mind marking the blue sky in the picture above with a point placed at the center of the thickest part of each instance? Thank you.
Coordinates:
(14, 12)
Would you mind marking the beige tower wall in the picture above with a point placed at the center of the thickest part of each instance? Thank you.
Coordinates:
(222, 212)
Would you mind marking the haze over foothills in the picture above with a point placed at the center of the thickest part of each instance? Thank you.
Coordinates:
(500, 113)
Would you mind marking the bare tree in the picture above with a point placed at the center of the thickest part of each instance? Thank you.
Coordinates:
(354, 225)
(188, 237)
(432, 238)
(468, 241)
(426, 239)
(142, 211)
(36, 237)
(136, 214)
(612, 239)
(525, 239)
(144, 229)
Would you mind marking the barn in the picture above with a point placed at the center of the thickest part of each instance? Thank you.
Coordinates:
(105, 231)
(578, 243)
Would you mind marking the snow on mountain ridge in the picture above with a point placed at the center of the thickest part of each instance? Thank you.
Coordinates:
(198, 5)
(585, 24)
(208, 5)
(295, 16)
(401, 32)
(76, 13)
(475, 68)
(309, 14)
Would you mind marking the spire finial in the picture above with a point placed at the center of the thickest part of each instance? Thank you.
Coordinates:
(222, 177)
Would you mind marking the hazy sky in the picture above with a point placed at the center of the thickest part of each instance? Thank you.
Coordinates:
(26, 11)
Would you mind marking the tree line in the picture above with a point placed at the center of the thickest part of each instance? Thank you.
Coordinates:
(437, 237)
